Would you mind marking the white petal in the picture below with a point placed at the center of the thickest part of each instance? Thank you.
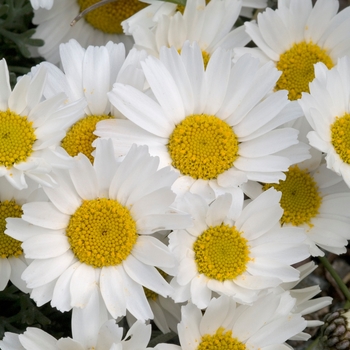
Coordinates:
(21, 230)
(191, 56)
(112, 290)
(5, 272)
(136, 301)
(105, 166)
(96, 79)
(272, 268)
(271, 142)
(109, 333)
(232, 177)
(86, 321)
(187, 271)
(36, 87)
(35, 338)
(86, 185)
(214, 315)
(153, 223)
(144, 113)
(41, 272)
(188, 329)
(200, 293)
(278, 330)
(147, 276)
(18, 99)
(138, 336)
(154, 203)
(175, 66)
(256, 282)
(82, 285)
(260, 222)
(61, 297)
(164, 89)
(44, 214)
(218, 210)
(5, 88)
(17, 268)
(45, 246)
(217, 77)
(151, 251)
(65, 197)
(43, 294)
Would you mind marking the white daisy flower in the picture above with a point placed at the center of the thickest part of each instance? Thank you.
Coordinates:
(216, 127)
(151, 15)
(232, 251)
(89, 74)
(98, 27)
(316, 199)
(12, 261)
(327, 110)
(47, 4)
(209, 25)
(108, 337)
(97, 231)
(30, 128)
(298, 35)
(264, 325)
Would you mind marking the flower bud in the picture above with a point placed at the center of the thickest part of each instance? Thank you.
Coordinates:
(335, 333)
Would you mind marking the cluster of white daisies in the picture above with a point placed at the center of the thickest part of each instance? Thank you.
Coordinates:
(178, 176)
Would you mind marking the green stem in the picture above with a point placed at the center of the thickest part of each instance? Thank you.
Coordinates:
(336, 277)
(313, 344)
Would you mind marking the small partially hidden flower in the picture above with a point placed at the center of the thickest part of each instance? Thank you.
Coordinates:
(335, 333)
(30, 127)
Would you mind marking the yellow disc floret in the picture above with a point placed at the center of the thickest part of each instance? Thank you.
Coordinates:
(16, 138)
(221, 340)
(108, 17)
(297, 66)
(206, 58)
(79, 137)
(221, 253)
(8, 245)
(203, 146)
(340, 130)
(101, 232)
(300, 197)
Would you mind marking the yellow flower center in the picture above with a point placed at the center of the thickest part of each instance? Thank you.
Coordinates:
(203, 146)
(341, 137)
(8, 245)
(297, 66)
(221, 340)
(108, 17)
(221, 253)
(101, 232)
(16, 138)
(79, 137)
(300, 197)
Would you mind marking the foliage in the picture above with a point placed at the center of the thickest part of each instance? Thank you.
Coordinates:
(16, 31)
